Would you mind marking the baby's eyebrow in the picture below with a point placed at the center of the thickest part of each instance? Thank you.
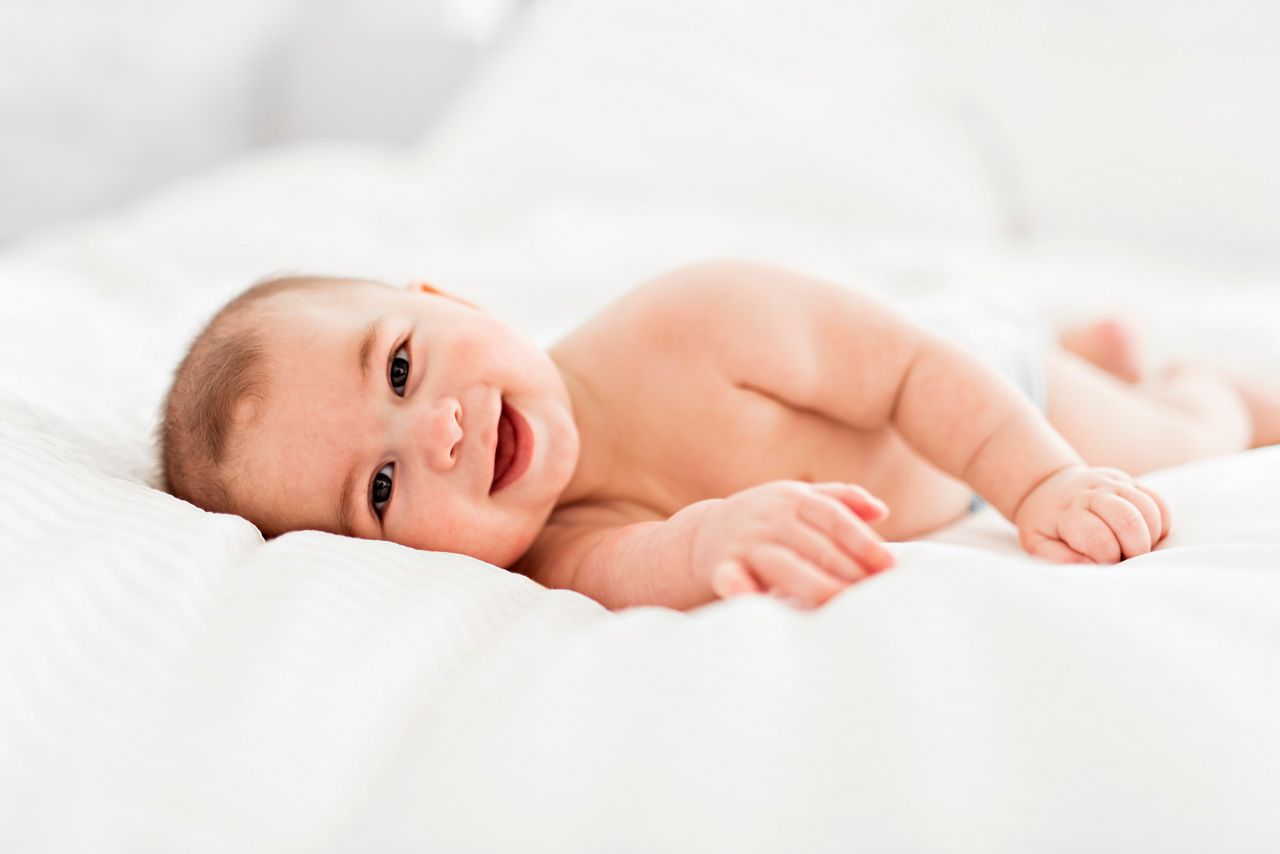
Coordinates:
(365, 356)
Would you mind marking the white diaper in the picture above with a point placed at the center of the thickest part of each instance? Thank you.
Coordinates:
(1003, 330)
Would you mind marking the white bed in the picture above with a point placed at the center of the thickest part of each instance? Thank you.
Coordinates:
(168, 681)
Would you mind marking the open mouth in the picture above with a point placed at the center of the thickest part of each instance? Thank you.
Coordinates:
(513, 449)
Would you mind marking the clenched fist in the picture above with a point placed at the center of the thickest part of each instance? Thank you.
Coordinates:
(1091, 515)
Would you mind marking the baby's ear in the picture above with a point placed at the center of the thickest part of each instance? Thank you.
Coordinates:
(426, 288)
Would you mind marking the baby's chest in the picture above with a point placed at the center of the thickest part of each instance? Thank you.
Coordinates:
(723, 439)
(711, 438)
(677, 429)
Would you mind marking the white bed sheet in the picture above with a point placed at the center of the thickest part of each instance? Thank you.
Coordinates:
(169, 681)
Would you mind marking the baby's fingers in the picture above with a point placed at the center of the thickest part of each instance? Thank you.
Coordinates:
(821, 551)
(1050, 549)
(788, 575)
(1126, 523)
(1148, 508)
(832, 519)
(1087, 534)
(1166, 520)
(857, 499)
(731, 578)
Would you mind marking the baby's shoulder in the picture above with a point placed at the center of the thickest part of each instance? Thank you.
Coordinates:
(701, 305)
(722, 317)
(727, 288)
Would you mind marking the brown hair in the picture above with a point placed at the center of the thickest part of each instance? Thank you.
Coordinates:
(225, 365)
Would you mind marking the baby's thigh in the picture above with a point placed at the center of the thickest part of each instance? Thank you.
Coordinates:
(1112, 423)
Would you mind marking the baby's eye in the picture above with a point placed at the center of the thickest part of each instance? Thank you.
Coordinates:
(399, 371)
(380, 491)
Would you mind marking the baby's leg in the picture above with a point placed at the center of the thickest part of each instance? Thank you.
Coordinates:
(1263, 402)
(1111, 343)
(1190, 413)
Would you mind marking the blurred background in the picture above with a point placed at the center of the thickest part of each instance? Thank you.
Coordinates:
(541, 157)
(103, 101)
(1152, 122)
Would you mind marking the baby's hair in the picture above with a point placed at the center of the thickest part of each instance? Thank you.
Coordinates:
(225, 365)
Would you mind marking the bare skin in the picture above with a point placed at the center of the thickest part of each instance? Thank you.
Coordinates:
(1115, 346)
(1093, 404)
(1110, 344)
(728, 428)
(1184, 412)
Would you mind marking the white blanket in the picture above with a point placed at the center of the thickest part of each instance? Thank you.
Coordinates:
(172, 683)
(168, 681)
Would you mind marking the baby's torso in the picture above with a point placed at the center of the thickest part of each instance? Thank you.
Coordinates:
(680, 431)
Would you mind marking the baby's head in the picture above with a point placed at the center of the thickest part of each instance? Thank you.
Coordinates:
(358, 408)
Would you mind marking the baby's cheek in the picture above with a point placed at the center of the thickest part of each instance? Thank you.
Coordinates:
(471, 351)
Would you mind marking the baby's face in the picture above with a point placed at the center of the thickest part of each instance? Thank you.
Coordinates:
(393, 414)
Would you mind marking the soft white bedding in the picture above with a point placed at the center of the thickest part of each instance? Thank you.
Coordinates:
(168, 681)
(171, 682)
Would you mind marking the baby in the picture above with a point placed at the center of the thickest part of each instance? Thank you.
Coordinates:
(724, 429)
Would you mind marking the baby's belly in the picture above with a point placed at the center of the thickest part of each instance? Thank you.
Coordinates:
(921, 498)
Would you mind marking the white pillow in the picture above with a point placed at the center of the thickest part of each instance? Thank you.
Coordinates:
(810, 107)
(102, 100)
(1150, 121)
(1142, 121)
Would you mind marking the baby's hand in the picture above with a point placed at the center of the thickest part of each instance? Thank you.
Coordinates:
(1091, 515)
(802, 541)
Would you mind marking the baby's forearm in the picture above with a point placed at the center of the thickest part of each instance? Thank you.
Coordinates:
(644, 563)
(966, 419)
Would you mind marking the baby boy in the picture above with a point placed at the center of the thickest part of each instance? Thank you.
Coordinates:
(724, 429)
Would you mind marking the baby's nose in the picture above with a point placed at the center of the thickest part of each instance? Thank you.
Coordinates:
(444, 432)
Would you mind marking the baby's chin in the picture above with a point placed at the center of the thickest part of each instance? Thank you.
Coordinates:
(502, 553)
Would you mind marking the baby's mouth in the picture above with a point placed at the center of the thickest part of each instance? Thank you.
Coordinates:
(504, 449)
(510, 456)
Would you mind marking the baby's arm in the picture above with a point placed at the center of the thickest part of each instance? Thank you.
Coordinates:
(801, 541)
(848, 356)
